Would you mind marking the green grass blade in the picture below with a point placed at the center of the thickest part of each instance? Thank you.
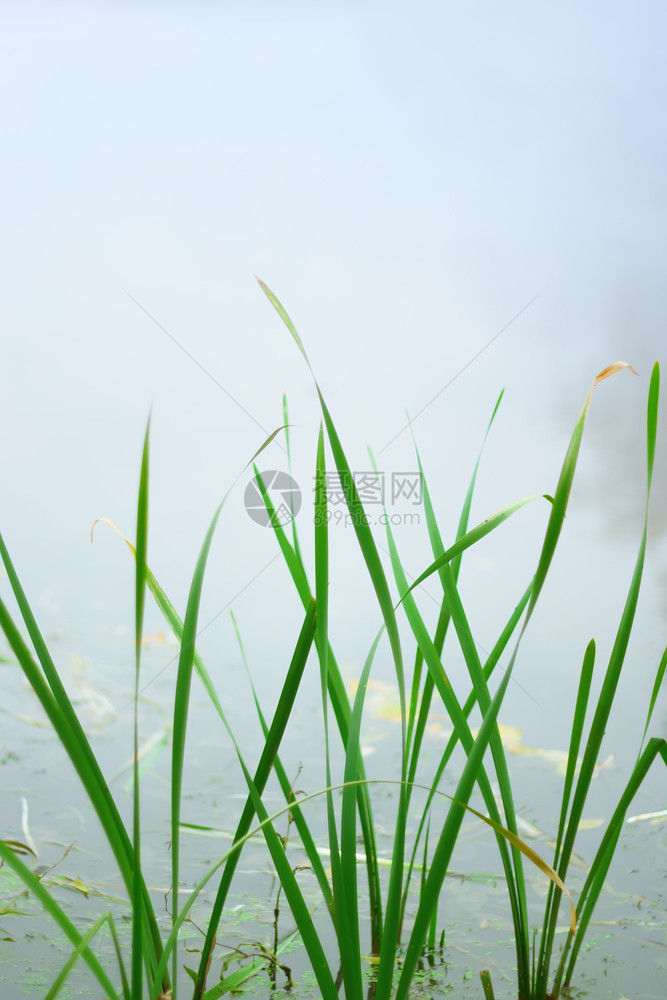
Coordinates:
(486, 526)
(603, 858)
(295, 536)
(363, 532)
(284, 316)
(140, 597)
(554, 895)
(471, 701)
(562, 494)
(376, 572)
(347, 918)
(181, 706)
(657, 687)
(377, 576)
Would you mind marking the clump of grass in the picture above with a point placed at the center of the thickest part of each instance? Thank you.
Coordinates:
(395, 944)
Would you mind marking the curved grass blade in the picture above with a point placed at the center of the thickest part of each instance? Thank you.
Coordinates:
(470, 538)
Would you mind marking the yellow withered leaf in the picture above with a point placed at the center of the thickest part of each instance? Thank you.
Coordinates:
(612, 369)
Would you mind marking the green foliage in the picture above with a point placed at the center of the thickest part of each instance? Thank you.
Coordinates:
(396, 949)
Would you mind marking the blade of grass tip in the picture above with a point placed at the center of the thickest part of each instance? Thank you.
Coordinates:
(554, 527)
(57, 705)
(438, 549)
(282, 312)
(467, 503)
(181, 706)
(443, 622)
(347, 917)
(140, 596)
(363, 532)
(603, 858)
(470, 538)
(562, 494)
(267, 759)
(54, 910)
(435, 537)
(657, 687)
(617, 656)
(369, 552)
(272, 435)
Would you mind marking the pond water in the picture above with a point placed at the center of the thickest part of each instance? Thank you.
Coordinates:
(448, 203)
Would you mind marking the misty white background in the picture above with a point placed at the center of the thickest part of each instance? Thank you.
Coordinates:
(406, 178)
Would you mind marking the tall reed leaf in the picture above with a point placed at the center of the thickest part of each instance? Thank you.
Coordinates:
(138, 950)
